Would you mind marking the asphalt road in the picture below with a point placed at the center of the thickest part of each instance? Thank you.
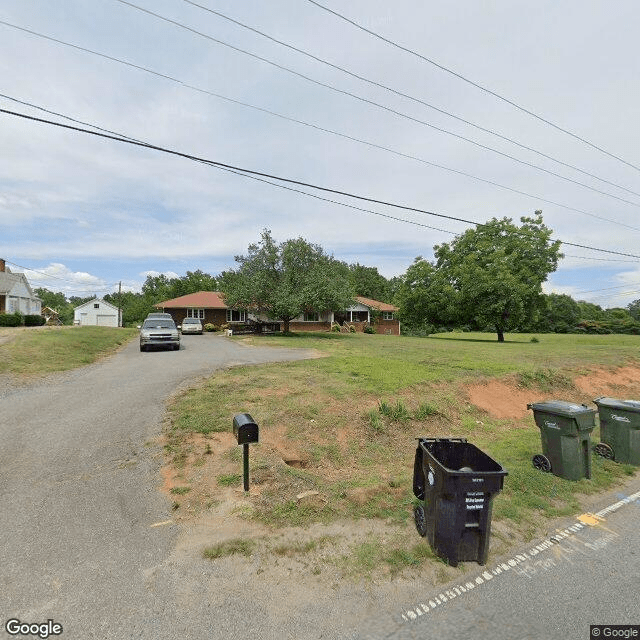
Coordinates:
(586, 573)
(86, 538)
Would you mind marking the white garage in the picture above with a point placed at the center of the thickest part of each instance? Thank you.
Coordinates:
(96, 312)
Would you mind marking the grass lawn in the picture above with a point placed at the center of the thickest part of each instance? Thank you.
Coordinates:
(337, 433)
(41, 350)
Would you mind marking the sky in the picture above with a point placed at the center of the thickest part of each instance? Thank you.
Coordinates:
(83, 214)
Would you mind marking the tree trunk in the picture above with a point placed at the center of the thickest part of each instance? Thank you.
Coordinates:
(285, 322)
(500, 334)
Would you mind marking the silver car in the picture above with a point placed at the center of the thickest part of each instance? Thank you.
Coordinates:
(192, 325)
(159, 332)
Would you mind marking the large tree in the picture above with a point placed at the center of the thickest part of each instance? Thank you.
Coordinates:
(497, 271)
(286, 280)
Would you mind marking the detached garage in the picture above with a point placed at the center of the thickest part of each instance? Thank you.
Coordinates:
(96, 312)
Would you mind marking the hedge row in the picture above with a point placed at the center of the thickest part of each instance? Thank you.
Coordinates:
(18, 320)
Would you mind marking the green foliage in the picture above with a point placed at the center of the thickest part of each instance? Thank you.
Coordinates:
(210, 327)
(11, 319)
(494, 273)
(367, 282)
(558, 314)
(634, 309)
(369, 329)
(33, 321)
(284, 280)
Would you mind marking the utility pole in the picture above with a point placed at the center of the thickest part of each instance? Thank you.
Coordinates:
(120, 303)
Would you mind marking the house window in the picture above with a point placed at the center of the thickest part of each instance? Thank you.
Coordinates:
(387, 315)
(236, 316)
(311, 317)
(96, 305)
(195, 313)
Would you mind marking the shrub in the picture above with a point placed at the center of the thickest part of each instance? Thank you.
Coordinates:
(534, 339)
(335, 328)
(352, 328)
(11, 319)
(33, 321)
(210, 327)
(369, 329)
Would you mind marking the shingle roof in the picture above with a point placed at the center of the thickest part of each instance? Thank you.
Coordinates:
(375, 304)
(199, 300)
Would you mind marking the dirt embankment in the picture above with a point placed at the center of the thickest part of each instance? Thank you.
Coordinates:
(502, 399)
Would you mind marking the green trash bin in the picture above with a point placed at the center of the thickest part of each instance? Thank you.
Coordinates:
(565, 430)
(619, 430)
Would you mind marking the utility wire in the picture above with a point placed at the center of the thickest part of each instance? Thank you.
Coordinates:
(347, 137)
(98, 288)
(474, 84)
(311, 125)
(621, 286)
(373, 103)
(566, 255)
(404, 95)
(261, 174)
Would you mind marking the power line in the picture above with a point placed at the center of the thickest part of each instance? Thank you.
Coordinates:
(302, 122)
(474, 84)
(566, 255)
(49, 276)
(621, 286)
(262, 174)
(345, 136)
(376, 104)
(404, 95)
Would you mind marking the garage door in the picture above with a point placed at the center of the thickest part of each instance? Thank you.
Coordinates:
(106, 321)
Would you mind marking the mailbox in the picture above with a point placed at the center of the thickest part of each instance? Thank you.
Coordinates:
(244, 428)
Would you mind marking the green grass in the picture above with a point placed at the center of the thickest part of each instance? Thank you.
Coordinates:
(229, 480)
(354, 416)
(237, 546)
(47, 349)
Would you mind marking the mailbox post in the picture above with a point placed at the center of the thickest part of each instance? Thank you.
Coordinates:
(246, 431)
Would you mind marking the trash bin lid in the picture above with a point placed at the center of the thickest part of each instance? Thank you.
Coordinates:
(560, 407)
(613, 403)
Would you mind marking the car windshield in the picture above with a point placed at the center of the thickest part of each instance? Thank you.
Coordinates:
(158, 323)
(191, 321)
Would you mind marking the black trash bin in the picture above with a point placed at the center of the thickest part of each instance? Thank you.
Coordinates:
(457, 483)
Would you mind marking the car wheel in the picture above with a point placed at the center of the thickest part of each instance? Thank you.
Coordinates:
(143, 348)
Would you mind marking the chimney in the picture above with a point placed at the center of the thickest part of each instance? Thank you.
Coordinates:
(1, 265)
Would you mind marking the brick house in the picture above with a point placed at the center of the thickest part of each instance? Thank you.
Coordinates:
(207, 306)
(364, 312)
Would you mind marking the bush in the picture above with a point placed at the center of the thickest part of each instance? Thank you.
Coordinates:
(33, 321)
(211, 327)
(352, 328)
(11, 319)
(369, 329)
(335, 328)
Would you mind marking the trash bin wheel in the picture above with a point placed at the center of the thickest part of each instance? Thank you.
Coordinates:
(421, 521)
(604, 450)
(541, 463)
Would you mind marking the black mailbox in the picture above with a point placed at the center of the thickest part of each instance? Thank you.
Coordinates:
(244, 428)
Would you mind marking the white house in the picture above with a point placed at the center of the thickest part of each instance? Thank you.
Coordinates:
(96, 312)
(16, 294)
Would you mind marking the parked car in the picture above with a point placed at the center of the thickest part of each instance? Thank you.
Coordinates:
(155, 314)
(159, 332)
(192, 325)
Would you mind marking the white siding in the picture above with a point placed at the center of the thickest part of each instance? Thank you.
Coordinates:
(96, 312)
